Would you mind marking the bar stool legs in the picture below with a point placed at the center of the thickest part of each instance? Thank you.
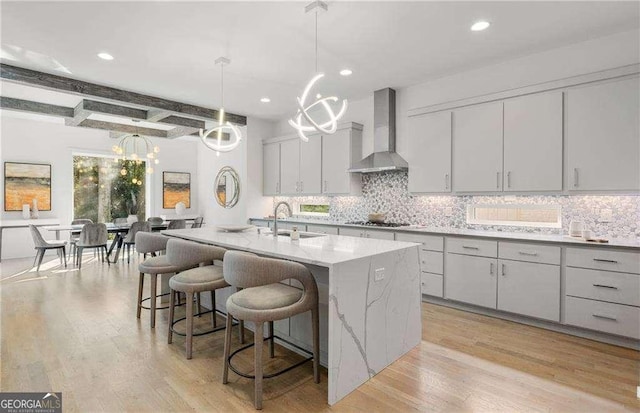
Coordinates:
(258, 340)
(154, 291)
(315, 321)
(270, 335)
(140, 287)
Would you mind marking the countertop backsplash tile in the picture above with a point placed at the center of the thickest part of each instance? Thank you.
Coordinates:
(387, 192)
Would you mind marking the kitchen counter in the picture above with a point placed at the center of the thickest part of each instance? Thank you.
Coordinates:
(369, 295)
(515, 236)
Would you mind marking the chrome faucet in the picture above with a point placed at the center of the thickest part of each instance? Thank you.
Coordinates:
(275, 216)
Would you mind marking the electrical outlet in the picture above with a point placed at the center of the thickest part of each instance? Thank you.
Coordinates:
(448, 211)
(379, 274)
(606, 215)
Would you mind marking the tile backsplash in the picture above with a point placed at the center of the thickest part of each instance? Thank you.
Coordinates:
(387, 192)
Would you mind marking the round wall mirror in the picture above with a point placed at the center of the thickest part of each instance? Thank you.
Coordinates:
(227, 187)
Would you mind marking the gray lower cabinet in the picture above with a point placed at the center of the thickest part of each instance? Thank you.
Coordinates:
(471, 279)
(529, 289)
(322, 229)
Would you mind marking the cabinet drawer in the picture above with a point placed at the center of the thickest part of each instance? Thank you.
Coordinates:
(428, 242)
(517, 251)
(322, 229)
(379, 234)
(608, 286)
(351, 232)
(432, 284)
(611, 318)
(602, 259)
(471, 246)
(432, 261)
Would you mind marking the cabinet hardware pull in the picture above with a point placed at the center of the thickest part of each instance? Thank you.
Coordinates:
(530, 254)
(277, 187)
(509, 179)
(301, 186)
(491, 268)
(325, 186)
(605, 286)
(446, 181)
(603, 260)
(504, 270)
(605, 317)
(468, 247)
(498, 180)
(575, 177)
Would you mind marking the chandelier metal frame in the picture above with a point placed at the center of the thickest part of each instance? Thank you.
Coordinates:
(129, 148)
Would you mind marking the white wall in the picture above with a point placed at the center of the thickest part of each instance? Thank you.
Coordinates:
(608, 52)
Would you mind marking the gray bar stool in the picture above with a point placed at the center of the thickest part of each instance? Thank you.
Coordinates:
(265, 299)
(152, 243)
(192, 282)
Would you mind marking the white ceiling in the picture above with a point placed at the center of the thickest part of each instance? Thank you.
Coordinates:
(168, 49)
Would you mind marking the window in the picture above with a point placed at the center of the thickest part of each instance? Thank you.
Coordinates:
(105, 188)
(547, 216)
(313, 209)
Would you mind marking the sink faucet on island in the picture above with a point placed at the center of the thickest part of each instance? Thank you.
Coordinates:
(275, 215)
(369, 295)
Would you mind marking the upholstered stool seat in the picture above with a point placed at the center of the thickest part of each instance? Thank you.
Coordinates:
(192, 282)
(264, 298)
(250, 303)
(157, 265)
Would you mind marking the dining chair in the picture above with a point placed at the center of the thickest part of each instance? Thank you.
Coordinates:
(177, 224)
(42, 245)
(155, 220)
(120, 221)
(93, 236)
(130, 239)
(73, 238)
(197, 223)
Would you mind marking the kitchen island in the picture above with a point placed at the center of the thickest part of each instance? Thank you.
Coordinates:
(369, 298)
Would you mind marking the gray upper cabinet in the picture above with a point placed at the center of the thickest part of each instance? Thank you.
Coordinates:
(429, 154)
(533, 143)
(290, 166)
(339, 151)
(271, 169)
(477, 148)
(310, 165)
(603, 136)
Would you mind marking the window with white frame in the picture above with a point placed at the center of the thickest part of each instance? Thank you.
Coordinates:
(313, 209)
(544, 216)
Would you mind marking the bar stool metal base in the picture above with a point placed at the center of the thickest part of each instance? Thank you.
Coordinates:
(202, 333)
(157, 308)
(271, 375)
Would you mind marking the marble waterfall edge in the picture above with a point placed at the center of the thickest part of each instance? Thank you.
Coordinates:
(372, 322)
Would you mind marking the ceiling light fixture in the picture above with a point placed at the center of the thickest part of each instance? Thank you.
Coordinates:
(265, 100)
(234, 133)
(105, 56)
(346, 72)
(480, 26)
(309, 124)
(136, 148)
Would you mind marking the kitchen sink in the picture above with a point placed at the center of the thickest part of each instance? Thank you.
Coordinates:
(287, 233)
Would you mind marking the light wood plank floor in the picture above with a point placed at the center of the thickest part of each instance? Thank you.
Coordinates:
(76, 332)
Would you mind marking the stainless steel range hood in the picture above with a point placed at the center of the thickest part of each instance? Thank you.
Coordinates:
(384, 156)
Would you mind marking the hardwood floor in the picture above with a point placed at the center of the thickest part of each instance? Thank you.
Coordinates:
(76, 332)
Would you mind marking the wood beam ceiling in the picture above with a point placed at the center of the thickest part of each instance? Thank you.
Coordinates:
(78, 87)
(36, 107)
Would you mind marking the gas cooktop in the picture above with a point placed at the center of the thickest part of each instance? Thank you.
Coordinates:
(377, 224)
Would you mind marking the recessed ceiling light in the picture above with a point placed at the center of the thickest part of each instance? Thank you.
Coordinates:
(105, 56)
(479, 26)
(346, 72)
(265, 100)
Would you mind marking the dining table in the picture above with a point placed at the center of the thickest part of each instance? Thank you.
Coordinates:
(119, 231)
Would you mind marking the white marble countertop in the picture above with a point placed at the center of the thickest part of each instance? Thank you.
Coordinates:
(515, 236)
(324, 250)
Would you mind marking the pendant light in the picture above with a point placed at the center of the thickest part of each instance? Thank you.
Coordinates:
(234, 133)
(136, 148)
(302, 121)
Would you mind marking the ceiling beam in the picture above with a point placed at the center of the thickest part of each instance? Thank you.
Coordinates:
(181, 121)
(119, 127)
(35, 107)
(78, 87)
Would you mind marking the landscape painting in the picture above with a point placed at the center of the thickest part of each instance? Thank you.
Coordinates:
(176, 187)
(24, 182)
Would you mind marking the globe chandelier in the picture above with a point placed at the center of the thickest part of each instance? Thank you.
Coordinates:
(302, 121)
(218, 145)
(137, 148)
